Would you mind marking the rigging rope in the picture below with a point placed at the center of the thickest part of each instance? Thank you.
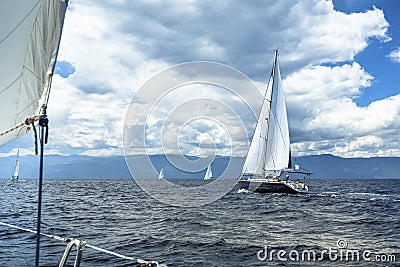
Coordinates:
(142, 263)
(26, 122)
(29, 121)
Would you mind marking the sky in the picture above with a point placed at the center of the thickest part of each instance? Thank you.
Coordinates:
(340, 64)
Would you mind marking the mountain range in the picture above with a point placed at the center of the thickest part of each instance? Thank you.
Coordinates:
(78, 166)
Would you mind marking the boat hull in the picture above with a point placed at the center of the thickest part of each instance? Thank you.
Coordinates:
(271, 187)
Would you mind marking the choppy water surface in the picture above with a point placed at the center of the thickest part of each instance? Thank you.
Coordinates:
(117, 215)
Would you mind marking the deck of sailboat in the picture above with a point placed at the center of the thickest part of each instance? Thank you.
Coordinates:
(273, 185)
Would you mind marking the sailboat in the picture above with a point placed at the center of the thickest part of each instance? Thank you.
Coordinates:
(268, 165)
(208, 175)
(161, 174)
(15, 175)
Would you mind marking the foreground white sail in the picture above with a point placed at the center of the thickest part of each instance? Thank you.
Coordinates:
(268, 165)
(30, 32)
(208, 175)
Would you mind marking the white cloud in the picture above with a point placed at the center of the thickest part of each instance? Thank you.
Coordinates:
(320, 34)
(325, 119)
(244, 34)
(116, 46)
(395, 55)
(185, 118)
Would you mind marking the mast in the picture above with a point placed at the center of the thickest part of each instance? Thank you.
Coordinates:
(269, 114)
(278, 142)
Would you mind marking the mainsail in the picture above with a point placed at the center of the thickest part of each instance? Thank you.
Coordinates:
(270, 147)
(30, 32)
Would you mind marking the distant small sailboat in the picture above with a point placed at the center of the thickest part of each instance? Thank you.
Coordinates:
(15, 176)
(208, 175)
(268, 166)
(161, 175)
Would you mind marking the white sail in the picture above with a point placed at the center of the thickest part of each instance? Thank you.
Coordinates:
(30, 32)
(15, 175)
(254, 163)
(208, 175)
(270, 147)
(161, 174)
(278, 142)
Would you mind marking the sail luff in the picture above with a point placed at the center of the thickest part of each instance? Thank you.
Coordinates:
(54, 57)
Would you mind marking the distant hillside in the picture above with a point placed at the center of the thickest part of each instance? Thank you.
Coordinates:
(323, 166)
(328, 166)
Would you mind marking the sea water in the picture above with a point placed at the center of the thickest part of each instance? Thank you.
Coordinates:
(241, 229)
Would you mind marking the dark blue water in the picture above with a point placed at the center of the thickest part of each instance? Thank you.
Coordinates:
(117, 215)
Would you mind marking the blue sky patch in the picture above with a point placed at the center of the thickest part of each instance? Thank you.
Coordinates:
(64, 69)
(374, 58)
